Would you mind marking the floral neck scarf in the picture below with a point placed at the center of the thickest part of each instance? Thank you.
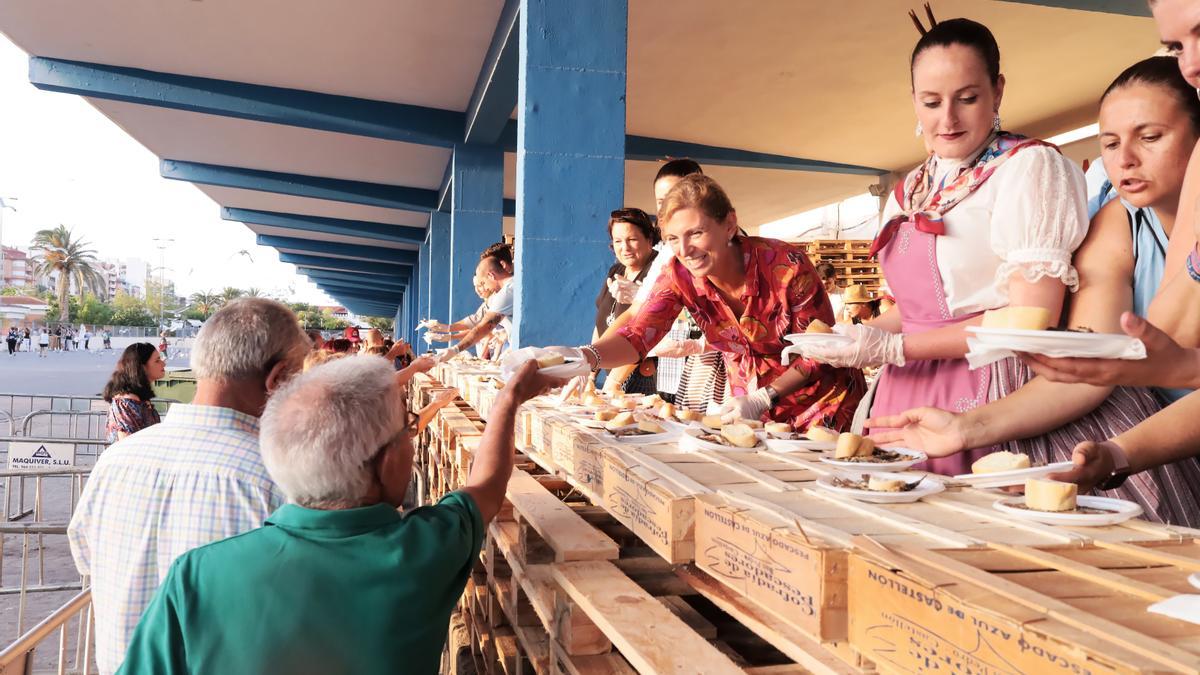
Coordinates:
(925, 205)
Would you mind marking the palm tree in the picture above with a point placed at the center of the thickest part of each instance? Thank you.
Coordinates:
(206, 302)
(253, 292)
(230, 293)
(58, 252)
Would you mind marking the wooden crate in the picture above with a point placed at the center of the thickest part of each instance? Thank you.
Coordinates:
(769, 560)
(1020, 609)
(579, 454)
(659, 511)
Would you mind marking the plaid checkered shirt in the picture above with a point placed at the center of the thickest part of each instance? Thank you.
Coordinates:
(193, 479)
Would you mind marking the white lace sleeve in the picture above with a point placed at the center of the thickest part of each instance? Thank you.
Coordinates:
(1039, 217)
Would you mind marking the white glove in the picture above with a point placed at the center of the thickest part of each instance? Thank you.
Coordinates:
(623, 290)
(677, 349)
(447, 354)
(871, 348)
(748, 407)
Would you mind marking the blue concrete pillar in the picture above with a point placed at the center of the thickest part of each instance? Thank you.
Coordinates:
(439, 277)
(412, 298)
(476, 220)
(570, 162)
(419, 279)
(399, 333)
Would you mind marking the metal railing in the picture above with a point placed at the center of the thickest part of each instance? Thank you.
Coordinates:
(18, 657)
(69, 424)
(76, 474)
(17, 481)
(17, 405)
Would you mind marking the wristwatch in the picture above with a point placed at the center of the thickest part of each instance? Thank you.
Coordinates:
(771, 393)
(1120, 466)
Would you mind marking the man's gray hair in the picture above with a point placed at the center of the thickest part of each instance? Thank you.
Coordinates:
(321, 430)
(247, 337)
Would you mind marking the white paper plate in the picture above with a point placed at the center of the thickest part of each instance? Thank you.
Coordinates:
(1121, 511)
(818, 339)
(648, 439)
(929, 486)
(1015, 477)
(914, 457)
(1057, 343)
(691, 441)
(574, 367)
(780, 445)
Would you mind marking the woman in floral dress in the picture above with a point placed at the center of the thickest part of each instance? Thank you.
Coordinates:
(746, 294)
(129, 391)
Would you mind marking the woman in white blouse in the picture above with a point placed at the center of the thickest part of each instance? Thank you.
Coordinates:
(988, 220)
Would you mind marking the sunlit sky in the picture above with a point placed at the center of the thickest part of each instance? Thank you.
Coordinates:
(68, 164)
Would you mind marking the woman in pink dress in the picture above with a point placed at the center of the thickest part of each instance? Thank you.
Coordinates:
(990, 219)
(745, 293)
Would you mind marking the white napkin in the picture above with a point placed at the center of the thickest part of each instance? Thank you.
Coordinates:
(980, 354)
(1182, 607)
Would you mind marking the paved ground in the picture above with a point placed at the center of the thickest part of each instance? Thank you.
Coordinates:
(68, 373)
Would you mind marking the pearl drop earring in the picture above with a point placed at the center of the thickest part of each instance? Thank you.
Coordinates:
(921, 129)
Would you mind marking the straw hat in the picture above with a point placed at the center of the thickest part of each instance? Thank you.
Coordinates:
(856, 293)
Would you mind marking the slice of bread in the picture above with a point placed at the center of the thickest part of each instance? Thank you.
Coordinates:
(739, 435)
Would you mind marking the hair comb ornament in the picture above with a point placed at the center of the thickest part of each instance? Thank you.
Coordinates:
(917, 20)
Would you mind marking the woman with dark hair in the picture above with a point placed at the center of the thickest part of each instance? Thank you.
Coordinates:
(128, 391)
(633, 236)
(340, 346)
(1149, 122)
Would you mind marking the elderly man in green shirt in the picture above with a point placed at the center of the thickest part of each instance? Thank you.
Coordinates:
(337, 581)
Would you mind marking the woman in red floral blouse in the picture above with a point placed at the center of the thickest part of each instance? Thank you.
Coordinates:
(745, 293)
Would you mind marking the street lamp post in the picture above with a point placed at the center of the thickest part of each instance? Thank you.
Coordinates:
(4, 204)
(162, 245)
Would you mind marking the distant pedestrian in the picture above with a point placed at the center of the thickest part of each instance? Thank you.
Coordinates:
(56, 339)
(12, 339)
(129, 393)
(43, 343)
(87, 340)
(107, 339)
(28, 341)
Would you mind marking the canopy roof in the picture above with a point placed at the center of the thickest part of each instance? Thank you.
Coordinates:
(799, 81)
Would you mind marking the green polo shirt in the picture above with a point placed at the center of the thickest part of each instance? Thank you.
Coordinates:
(356, 591)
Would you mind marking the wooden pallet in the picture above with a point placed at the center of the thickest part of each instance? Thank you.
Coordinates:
(1018, 608)
(564, 587)
(781, 551)
(851, 258)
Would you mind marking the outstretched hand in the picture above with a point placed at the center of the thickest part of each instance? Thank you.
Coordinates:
(528, 382)
(935, 431)
(1093, 465)
(1167, 364)
(872, 347)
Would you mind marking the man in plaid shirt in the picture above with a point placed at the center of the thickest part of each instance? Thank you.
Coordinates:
(193, 479)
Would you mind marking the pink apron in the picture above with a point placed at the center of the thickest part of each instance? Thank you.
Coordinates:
(910, 266)
(907, 250)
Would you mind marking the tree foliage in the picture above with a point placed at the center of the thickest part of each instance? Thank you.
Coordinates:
(58, 252)
(383, 323)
